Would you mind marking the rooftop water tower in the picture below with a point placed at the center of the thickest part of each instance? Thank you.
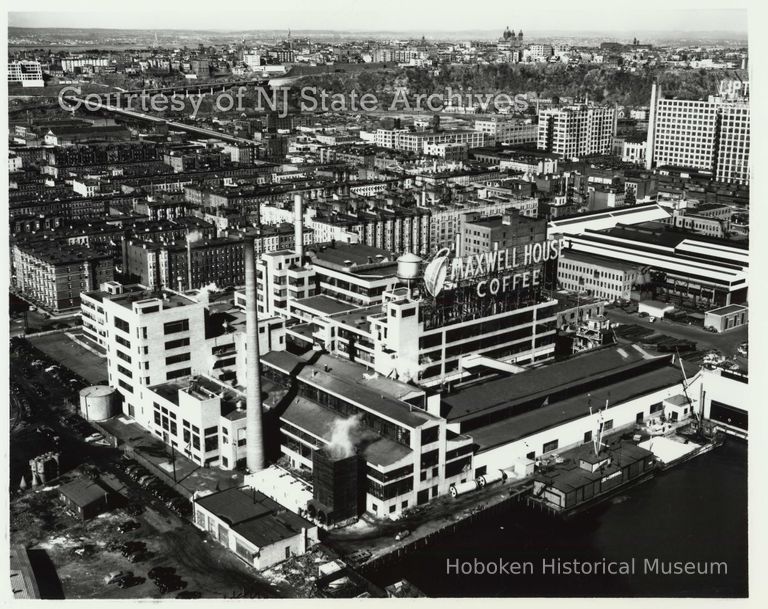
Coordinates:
(409, 268)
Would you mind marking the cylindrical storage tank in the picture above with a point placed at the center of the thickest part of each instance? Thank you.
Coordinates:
(409, 266)
(490, 478)
(98, 402)
(462, 487)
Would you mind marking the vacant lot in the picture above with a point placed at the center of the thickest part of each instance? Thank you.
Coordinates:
(39, 521)
(78, 359)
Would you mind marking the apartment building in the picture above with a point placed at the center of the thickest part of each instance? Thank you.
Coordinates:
(187, 265)
(508, 132)
(576, 131)
(712, 135)
(479, 234)
(415, 141)
(53, 275)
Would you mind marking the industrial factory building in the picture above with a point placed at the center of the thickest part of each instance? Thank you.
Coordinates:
(697, 268)
(379, 438)
(255, 528)
(391, 381)
(517, 419)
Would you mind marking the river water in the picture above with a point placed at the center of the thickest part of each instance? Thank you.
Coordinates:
(695, 513)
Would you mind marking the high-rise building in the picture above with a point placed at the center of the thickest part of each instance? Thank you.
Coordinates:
(711, 135)
(576, 131)
(26, 73)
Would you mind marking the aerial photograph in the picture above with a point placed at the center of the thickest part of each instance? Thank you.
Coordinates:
(337, 300)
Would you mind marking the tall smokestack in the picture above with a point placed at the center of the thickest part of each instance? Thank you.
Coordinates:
(253, 434)
(298, 224)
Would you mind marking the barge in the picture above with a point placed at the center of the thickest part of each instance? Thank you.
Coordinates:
(588, 475)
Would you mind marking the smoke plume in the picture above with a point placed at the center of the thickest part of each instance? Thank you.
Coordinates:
(342, 442)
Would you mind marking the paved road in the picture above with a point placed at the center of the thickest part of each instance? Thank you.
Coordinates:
(726, 342)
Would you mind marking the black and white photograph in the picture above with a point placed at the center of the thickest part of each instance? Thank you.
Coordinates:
(355, 300)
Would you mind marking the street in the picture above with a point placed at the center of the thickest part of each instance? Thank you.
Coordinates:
(725, 343)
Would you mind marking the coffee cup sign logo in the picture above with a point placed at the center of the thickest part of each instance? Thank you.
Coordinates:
(436, 272)
(488, 268)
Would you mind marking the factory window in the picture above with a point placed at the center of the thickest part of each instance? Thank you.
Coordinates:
(178, 373)
(196, 442)
(456, 467)
(121, 341)
(125, 385)
(608, 425)
(392, 508)
(122, 325)
(175, 359)
(587, 436)
(430, 435)
(658, 406)
(549, 446)
(173, 344)
(211, 443)
(123, 356)
(172, 327)
(124, 371)
(463, 450)
(430, 458)
(404, 504)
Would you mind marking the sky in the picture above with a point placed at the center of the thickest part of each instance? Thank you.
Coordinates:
(394, 15)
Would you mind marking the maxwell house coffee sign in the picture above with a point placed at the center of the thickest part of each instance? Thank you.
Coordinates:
(493, 272)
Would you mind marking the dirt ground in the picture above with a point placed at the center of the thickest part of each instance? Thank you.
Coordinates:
(39, 521)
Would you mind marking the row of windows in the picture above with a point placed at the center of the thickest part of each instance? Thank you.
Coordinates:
(176, 359)
(174, 344)
(172, 327)
(178, 373)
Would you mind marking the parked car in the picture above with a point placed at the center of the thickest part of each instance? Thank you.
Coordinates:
(86, 549)
(402, 535)
(140, 556)
(128, 525)
(145, 480)
(114, 576)
(132, 547)
(130, 581)
(643, 314)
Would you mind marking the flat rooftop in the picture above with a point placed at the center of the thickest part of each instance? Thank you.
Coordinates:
(576, 407)
(351, 256)
(325, 305)
(320, 421)
(560, 377)
(167, 300)
(255, 516)
(603, 261)
(727, 310)
(354, 382)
